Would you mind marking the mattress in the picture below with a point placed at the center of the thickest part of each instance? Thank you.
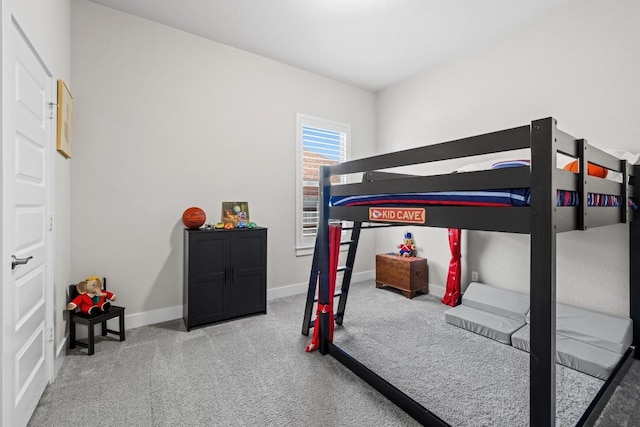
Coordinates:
(598, 329)
(481, 322)
(498, 198)
(513, 305)
(575, 354)
(495, 197)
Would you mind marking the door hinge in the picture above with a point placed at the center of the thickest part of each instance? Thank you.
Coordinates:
(50, 222)
(53, 109)
(50, 333)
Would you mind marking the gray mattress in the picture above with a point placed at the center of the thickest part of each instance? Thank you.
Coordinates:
(598, 329)
(575, 354)
(586, 340)
(481, 322)
(513, 305)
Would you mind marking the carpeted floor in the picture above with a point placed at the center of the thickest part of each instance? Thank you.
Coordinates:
(254, 371)
(469, 381)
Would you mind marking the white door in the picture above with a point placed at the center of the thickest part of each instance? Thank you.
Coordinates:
(26, 158)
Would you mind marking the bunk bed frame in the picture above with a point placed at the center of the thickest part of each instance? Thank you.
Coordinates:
(542, 220)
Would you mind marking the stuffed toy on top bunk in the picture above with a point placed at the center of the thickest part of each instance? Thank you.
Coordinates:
(587, 341)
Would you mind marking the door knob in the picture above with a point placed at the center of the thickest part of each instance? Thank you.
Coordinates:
(18, 261)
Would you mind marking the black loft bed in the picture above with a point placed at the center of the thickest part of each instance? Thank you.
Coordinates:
(542, 219)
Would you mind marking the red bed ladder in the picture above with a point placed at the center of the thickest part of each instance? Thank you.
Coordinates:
(347, 270)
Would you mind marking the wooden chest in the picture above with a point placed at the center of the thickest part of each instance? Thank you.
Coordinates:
(408, 274)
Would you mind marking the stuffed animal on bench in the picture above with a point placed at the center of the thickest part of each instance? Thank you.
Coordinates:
(92, 299)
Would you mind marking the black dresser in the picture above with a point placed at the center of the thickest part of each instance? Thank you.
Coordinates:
(225, 274)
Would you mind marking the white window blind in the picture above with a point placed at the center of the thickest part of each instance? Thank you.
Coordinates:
(320, 142)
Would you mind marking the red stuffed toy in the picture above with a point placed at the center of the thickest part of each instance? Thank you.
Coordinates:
(93, 300)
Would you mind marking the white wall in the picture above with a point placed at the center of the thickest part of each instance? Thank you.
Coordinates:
(579, 64)
(48, 26)
(165, 120)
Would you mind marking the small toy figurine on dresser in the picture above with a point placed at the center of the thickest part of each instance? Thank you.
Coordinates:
(407, 248)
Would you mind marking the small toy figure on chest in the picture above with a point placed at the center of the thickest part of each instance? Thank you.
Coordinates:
(407, 248)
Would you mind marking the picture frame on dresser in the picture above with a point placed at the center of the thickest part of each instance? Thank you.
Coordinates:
(235, 213)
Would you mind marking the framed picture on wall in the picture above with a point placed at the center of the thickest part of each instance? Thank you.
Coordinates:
(235, 212)
(64, 136)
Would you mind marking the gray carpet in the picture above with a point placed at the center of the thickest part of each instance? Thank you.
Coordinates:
(254, 371)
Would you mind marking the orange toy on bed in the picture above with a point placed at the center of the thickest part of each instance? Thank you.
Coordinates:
(594, 170)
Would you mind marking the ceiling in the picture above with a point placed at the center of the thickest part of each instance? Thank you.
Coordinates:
(366, 43)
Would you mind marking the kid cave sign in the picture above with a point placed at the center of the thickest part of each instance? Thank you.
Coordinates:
(404, 215)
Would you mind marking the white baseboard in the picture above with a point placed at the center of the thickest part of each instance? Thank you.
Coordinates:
(436, 290)
(136, 320)
(152, 317)
(301, 288)
(60, 354)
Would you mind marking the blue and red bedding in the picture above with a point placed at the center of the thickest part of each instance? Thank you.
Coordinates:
(503, 197)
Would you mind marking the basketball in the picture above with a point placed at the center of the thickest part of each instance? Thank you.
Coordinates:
(193, 217)
(594, 170)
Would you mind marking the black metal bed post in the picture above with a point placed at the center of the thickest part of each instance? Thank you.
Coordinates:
(634, 264)
(583, 194)
(542, 382)
(323, 247)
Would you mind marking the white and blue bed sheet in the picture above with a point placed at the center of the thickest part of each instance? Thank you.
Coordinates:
(504, 197)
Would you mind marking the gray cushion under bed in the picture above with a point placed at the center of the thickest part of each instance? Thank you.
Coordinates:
(586, 340)
(598, 329)
(513, 305)
(575, 354)
(490, 325)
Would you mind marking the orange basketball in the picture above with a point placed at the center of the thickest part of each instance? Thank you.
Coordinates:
(194, 217)
(594, 170)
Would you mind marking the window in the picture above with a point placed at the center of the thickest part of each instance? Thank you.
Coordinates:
(319, 142)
